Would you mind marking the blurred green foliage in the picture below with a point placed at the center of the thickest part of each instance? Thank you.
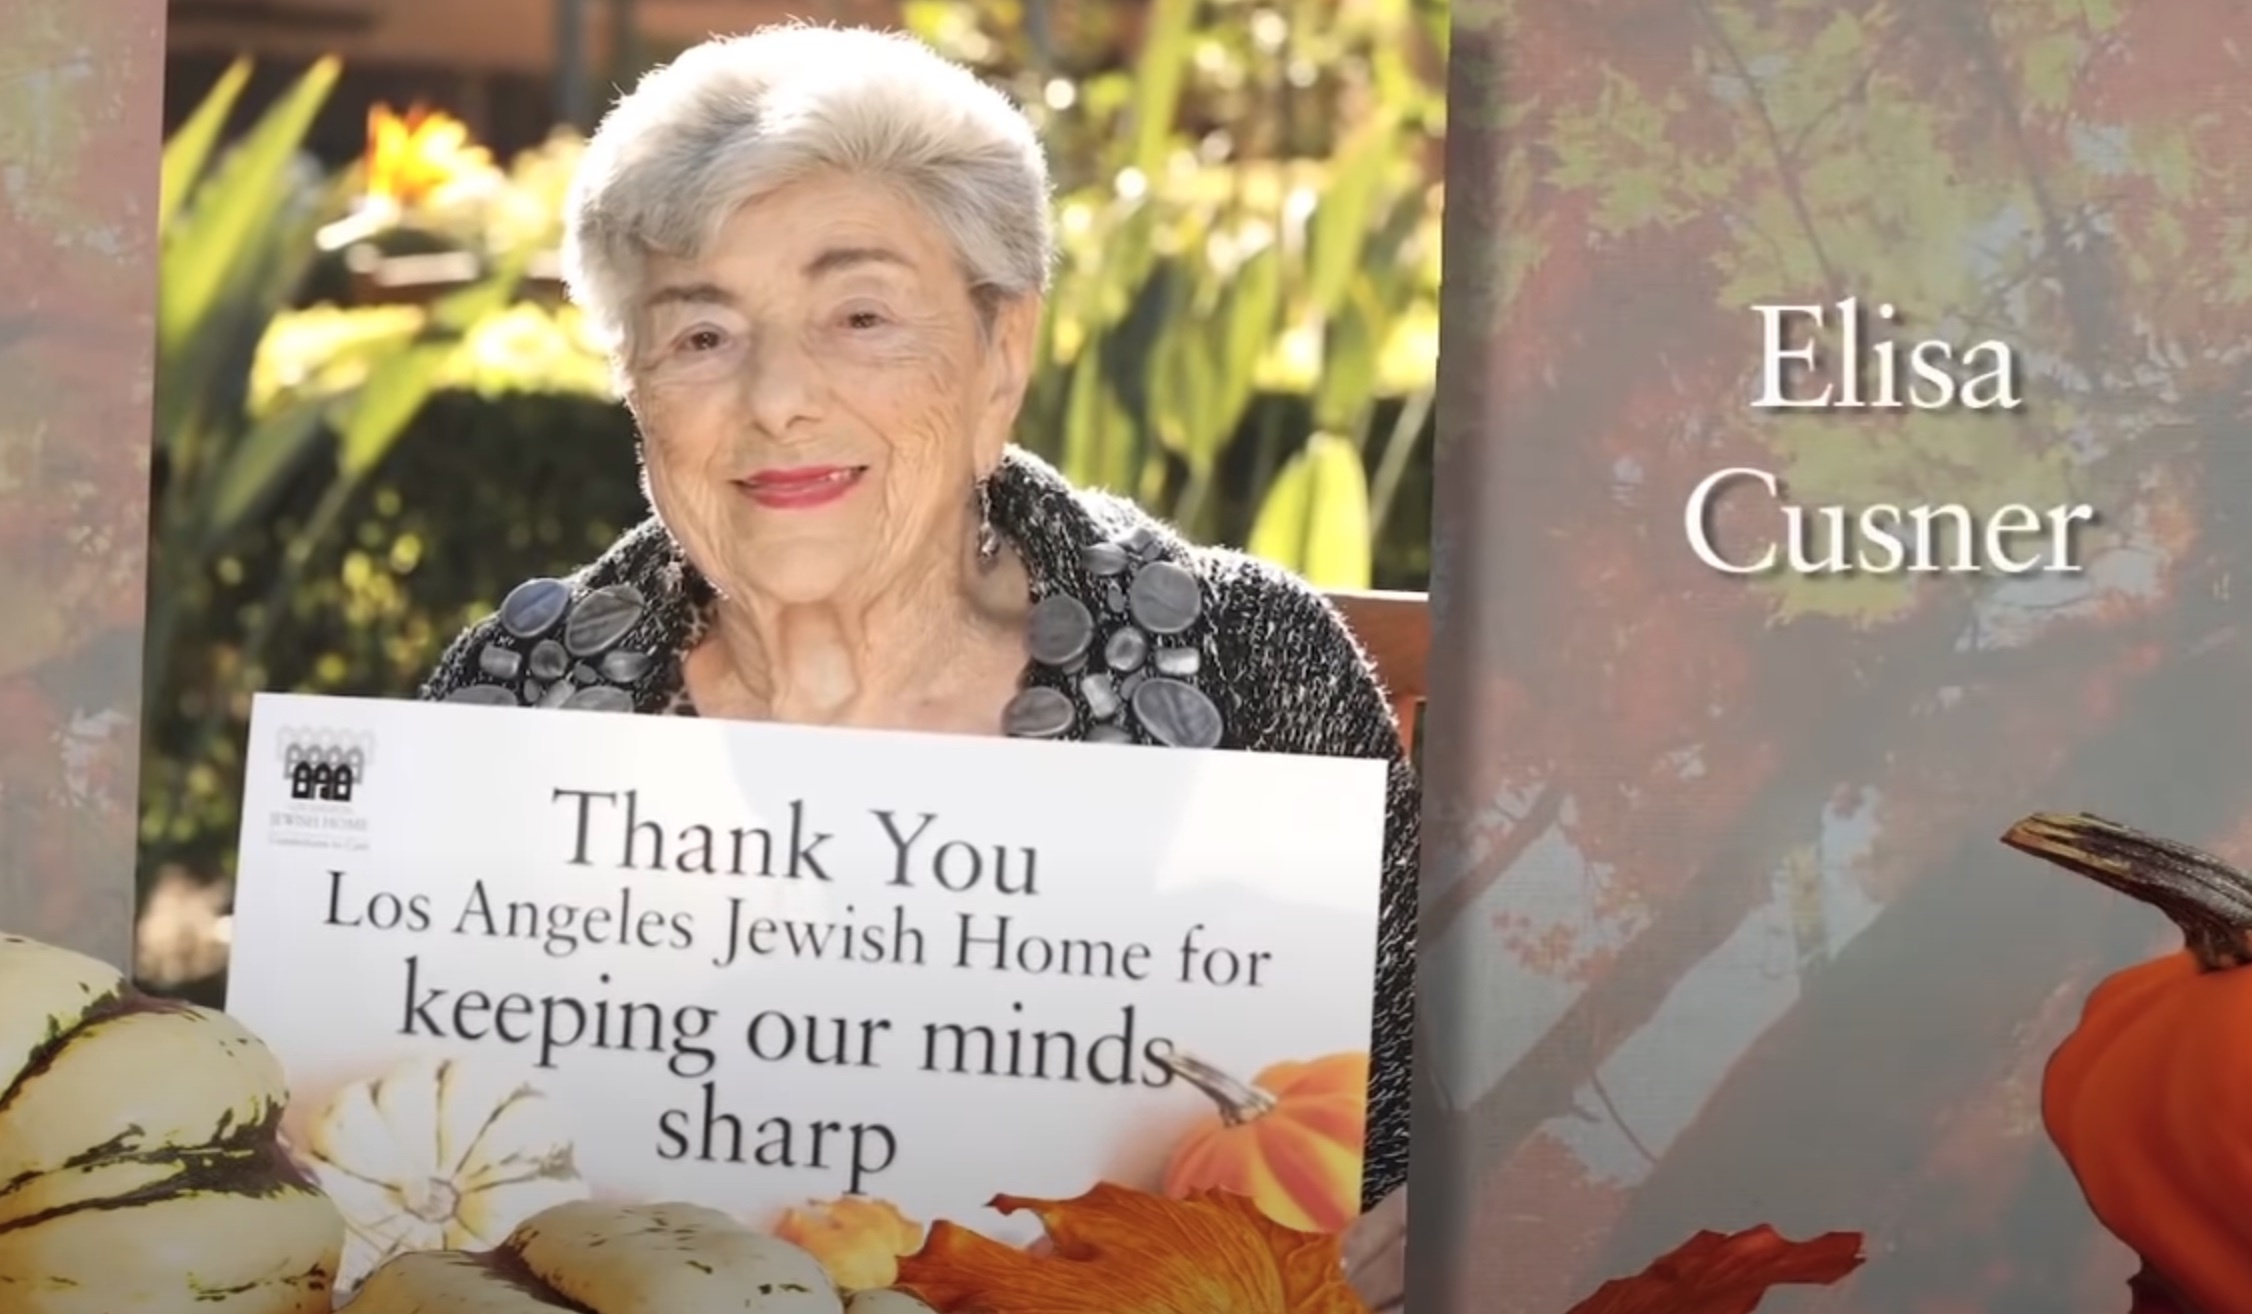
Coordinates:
(1243, 336)
(1248, 214)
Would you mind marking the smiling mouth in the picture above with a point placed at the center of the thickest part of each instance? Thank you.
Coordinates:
(807, 487)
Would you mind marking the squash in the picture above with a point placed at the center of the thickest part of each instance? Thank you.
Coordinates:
(2146, 1099)
(859, 1239)
(599, 1257)
(437, 1154)
(140, 1166)
(1293, 1139)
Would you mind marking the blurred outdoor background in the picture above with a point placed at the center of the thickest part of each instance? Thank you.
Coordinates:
(375, 414)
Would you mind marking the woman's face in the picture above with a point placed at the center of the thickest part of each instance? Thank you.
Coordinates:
(818, 394)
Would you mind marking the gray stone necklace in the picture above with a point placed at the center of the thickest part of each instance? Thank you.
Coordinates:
(560, 651)
(1138, 667)
(1115, 660)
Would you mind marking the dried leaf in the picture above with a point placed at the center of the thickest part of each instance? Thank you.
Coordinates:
(2151, 1294)
(1718, 1273)
(1116, 1251)
(859, 1240)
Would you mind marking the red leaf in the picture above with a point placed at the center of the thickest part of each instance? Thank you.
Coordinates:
(1721, 1274)
(2152, 1296)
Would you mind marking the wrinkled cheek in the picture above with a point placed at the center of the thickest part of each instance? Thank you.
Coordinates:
(688, 493)
(934, 472)
(681, 434)
(947, 395)
(661, 458)
(925, 418)
(700, 521)
(658, 423)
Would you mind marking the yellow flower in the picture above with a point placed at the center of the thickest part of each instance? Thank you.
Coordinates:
(413, 156)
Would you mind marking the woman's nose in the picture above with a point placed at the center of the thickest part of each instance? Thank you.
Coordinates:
(780, 389)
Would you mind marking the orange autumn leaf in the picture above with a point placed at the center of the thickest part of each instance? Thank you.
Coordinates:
(859, 1240)
(1117, 1251)
(1717, 1273)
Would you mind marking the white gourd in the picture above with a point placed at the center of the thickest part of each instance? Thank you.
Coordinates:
(437, 1154)
(606, 1258)
(140, 1167)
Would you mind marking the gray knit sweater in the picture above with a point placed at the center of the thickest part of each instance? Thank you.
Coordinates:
(1265, 650)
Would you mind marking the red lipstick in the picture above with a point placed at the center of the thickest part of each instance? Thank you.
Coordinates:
(801, 488)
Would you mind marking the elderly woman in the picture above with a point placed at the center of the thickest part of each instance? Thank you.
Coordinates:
(818, 258)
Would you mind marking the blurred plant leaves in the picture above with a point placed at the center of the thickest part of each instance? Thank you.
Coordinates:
(1158, 80)
(218, 250)
(264, 457)
(1262, 221)
(190, 147)
(1315, 519)
(233, 431)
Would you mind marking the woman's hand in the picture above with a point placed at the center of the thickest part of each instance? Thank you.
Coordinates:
(1376, 1254)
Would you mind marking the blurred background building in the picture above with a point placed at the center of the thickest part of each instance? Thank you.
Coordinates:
(510, 69)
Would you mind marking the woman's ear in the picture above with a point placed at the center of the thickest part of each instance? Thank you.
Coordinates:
(1016, 340)
(1015, 347)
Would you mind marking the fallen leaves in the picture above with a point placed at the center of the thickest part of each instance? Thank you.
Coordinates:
(1722, 1273)
(1118, 1251)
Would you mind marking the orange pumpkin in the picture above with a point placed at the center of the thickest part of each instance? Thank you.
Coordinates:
(2147, 1098)
(1292, 1139)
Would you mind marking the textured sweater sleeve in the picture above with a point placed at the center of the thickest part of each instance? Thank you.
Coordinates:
(1305, 686)
(457, 664)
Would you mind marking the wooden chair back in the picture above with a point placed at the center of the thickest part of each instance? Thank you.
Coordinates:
(1395, 628)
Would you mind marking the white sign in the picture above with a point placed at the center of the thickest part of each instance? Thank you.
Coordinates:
(513, 956)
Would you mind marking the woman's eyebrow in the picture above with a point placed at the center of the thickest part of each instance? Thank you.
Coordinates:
(831, 260)
(689, 294)
(837, 259)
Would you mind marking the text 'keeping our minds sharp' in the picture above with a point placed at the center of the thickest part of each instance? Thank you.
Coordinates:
(1858, 358)
(644, 914)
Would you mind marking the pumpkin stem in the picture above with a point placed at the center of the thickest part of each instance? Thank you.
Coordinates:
(2209, 899)
(1239, 1101)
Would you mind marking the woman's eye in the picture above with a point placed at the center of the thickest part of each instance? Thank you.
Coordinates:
(864, 319)
(704, 340)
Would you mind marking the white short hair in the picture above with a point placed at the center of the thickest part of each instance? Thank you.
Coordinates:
(737, 117)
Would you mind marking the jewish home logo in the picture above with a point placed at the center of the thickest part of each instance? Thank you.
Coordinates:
(325, 766)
